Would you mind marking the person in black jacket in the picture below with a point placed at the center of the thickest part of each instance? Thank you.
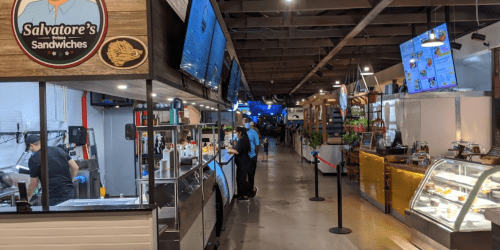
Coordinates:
(242, 160)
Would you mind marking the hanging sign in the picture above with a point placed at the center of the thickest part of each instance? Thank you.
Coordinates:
(123, 52)
(343, 101)
(59, 33)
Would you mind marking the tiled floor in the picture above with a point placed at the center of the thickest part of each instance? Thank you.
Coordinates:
(282, 217)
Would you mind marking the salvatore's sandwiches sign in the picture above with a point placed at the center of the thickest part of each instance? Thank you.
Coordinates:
(59, 33)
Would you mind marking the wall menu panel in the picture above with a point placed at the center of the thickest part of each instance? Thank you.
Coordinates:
(216, 61)
(234, 79)
(428, 69)
(200, 29)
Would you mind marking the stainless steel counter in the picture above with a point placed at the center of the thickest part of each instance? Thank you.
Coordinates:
(99, 202)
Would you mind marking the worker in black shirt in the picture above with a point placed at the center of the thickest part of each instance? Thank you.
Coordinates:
(62, 170)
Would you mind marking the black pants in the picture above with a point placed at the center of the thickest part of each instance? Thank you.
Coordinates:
(242, 170)
(253, 169)
(61, 197)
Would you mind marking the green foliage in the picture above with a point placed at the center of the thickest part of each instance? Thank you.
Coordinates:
(315, 139)
(351, 138)
(228, 129)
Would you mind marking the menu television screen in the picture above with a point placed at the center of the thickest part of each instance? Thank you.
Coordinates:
(216, 59)
(200, 29)
(234, 82)
(428, 69)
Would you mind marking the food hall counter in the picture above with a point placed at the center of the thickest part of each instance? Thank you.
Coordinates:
(388, 186)
(80, 227)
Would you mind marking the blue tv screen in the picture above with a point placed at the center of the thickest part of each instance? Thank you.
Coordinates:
(198, 41)
(216, 59)
(234, 82)
(428, 69)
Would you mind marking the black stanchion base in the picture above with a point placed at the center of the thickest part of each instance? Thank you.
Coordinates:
(317, 199)
(340, 230)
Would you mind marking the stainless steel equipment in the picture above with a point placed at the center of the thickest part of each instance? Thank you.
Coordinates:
(88, 177)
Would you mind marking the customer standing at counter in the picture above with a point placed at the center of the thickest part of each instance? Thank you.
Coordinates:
(183, 137)
(62, 171)
(222, 134)
(242, 160)
(254, 144)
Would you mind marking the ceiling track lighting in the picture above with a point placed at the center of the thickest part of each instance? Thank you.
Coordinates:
(329, 67)
(319, 73)
(455, 45)
(478, 37)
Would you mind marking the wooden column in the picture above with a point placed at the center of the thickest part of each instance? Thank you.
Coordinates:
(44, 165)
(323, 121)
(316, 116)
(304, 128)
(495, 101)
(310, 119)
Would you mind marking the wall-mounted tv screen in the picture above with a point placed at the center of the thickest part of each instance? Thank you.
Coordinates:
(200, 29)
(216, 59)
(428, 69)
(234, 81)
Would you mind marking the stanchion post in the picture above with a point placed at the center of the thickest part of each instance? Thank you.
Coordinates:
(340, 229)
(316, 197)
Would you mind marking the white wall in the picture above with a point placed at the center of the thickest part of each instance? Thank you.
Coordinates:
(19, 102)
(434, 120)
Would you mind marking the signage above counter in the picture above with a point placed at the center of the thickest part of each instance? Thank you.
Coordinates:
(59, 40)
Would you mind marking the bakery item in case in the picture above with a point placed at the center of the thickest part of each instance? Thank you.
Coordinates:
(430, 186)
(461, 198)
(447, 191)
(434, 202)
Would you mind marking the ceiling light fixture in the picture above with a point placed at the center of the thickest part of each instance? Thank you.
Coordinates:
(193, 103)
(478, 37)
(319, 73)
(367, 71)
(432, 41)
(337, 82)
(320, 91)
(122, 87)
(154, 94)
(170, 99)
(182, 102)
(201, 105)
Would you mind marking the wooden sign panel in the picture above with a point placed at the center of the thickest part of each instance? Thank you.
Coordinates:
(41, 40)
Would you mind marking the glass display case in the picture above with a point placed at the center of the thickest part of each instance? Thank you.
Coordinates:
(450, 202)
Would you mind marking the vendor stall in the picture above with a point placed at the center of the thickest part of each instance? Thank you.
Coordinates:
(124, 51)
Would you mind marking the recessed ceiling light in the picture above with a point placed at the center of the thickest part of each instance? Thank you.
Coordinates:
(193, 103)
(303, 100)
(216, 109)
(170, 99)
(212, 108)
(154, 94)
(337, 82)
(184, 102)
(122, 86)
(321, 91)
(117, 106)
(201, 105)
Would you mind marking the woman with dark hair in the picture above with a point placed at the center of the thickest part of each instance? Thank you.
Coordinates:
(183, 137)
(242, 160)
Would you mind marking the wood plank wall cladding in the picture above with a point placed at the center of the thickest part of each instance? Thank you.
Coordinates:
(118, 230)
(125, 18)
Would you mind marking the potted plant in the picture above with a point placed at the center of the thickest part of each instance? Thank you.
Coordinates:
(315, 139)
(352, 139)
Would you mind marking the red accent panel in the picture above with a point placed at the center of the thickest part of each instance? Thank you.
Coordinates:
(84, 122)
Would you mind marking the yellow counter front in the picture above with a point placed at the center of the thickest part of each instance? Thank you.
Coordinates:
(372, 179)
(404, 181)
(388, 186)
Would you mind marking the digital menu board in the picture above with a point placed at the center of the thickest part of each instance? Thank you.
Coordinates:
(427, 69)
(216, 59)
(200, 29)
(234, 82)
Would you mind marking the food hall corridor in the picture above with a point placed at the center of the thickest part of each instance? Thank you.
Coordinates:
(282, 217)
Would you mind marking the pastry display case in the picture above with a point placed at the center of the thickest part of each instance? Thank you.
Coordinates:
(448, 207)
